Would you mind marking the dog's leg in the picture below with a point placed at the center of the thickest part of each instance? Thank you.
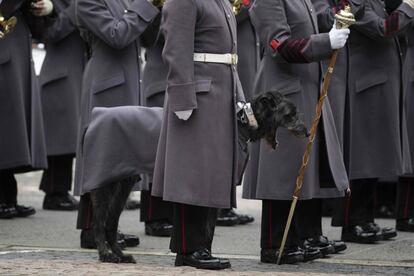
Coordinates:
(101, 199)
(120, 196)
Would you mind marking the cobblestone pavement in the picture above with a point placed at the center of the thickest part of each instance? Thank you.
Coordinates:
(48, 244)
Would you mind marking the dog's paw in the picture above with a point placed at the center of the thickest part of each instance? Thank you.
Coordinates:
(109, 258)
(128, 259)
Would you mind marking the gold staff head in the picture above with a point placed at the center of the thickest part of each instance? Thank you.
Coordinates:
(345, 18)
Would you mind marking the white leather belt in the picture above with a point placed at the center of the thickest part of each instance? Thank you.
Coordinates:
(216, 58)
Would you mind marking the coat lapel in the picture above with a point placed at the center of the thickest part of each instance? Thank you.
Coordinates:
(312, 14)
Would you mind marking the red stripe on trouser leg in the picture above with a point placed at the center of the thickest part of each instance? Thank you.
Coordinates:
(270, 226)
(347, 207)
(183, 230)
(407, 200)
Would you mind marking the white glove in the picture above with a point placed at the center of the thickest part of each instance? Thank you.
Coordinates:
(338, 37)
(1, 34)
(42, 7)
(184, 115)
(409, 3)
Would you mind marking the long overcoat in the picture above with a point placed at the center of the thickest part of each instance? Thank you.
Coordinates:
(291, 65)
(196, 160)
(112, 75)
(376, 132)
(60, 79)
(408, 81)
(248, 50)
(22, 142)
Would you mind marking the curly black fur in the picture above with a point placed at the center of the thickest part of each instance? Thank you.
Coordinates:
(108, 203)
(272, 110)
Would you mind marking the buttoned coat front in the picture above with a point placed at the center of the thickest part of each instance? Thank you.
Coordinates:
(196, 160)
(291, 65)
(60, 79)
(376, 134)
(22, 141)
(112, 75)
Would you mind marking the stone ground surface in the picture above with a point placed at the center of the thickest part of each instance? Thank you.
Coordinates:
(48, 244)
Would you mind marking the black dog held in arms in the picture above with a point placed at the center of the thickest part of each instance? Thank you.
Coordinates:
(120, 144)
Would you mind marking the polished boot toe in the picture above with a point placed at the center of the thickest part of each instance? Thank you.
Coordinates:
(24, 211)
(384, 233)
(357, 234)
(338, 246)
(201, 259)
(7, 211)
(130, 240)
(158, 229)
(289, 256)
(405, 225)
(320, 242)
(227, 217)
(60, 202)
(311, 253)
(87, 240)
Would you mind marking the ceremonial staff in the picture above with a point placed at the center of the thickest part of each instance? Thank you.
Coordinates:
(6, 26)
(344, 19)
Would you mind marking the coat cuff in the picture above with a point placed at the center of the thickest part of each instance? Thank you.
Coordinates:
(406, 9)
(144, 9)
(182, 97)
(320, 47)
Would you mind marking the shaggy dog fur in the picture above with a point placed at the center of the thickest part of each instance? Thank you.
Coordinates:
(272, 110)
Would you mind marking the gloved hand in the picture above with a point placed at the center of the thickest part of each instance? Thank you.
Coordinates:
(184, 115)
(338, 37)
(1, 35)
(409, 3)
(42, 7)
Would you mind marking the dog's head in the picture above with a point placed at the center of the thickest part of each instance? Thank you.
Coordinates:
(273, 110)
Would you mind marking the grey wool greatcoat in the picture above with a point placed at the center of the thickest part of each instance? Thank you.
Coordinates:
(22, 142)
(248, 50)
(408, 82)
(196, 160)
(291, 64)
(60, 79)
(112, 75)
(376, 134)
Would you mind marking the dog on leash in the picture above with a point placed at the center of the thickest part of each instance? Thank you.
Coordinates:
(270, 111)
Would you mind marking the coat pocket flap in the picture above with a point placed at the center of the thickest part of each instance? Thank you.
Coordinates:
(202, 86)
(4, 56)
(106, 83)
(155, 88)
(369, 81)
(49, 77)
(288, 86)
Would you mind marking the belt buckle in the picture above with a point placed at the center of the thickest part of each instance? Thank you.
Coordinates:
(234, 59)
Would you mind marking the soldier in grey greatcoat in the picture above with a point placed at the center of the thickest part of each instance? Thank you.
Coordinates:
(22, 142)
(60, 80)
(376, 130)
(197, 164)
(288, 30)
(112, 76)
(405, 187)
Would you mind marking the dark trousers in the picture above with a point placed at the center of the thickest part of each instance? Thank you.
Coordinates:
(57, 179)
(309, 218)
(8, 187)
(385, 194)
(193, 228)
(154, 208)
(358, 208)
(274, 218)
(84, 221)
(405, 197)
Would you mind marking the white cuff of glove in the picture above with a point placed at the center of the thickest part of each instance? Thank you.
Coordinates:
(338, 37)
(409, 3)
(184, 115)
